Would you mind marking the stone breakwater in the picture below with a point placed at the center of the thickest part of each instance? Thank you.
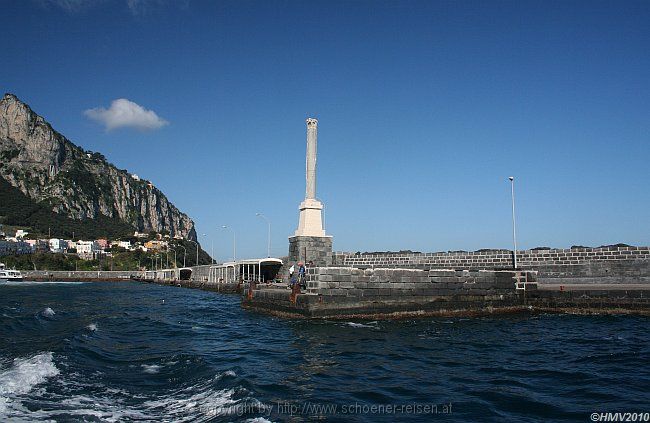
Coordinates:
(80, 275)
(343, 293)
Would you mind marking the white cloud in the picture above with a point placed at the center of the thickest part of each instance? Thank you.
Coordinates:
(124, 113)
(71, 6)
(135, 7)
(142, 7)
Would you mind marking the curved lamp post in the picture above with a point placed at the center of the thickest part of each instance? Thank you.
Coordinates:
(197, 251)
(234, 242)
(268, 248)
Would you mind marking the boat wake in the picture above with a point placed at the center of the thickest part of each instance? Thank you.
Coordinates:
(23, 375)
(30, 391)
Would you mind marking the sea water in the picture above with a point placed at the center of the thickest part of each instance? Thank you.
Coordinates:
(137, 352)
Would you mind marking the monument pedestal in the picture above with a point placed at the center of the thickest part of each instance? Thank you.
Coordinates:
(311, 219)
(317, 249)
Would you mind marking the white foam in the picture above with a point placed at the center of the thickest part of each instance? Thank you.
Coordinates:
(361, 325)
(205, 402)
(151, 368)
(47, 312)
(25, 373)
(22, 376)
(92, 327)
(258, 420)
(196, 403)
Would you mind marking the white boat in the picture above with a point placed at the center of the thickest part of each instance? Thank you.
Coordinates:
(7, 275)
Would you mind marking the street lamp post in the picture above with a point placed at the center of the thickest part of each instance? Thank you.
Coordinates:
(234, 242)
(197, 252)
(514, 226)
(268, 248)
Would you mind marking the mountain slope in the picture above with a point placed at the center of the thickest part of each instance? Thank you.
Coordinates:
(57, 174)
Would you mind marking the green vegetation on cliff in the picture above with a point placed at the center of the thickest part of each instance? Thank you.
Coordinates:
(19, 210)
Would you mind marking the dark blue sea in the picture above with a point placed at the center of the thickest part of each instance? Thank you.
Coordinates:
(136, 352)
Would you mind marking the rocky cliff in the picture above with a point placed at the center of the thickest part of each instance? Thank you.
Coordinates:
(50, 169)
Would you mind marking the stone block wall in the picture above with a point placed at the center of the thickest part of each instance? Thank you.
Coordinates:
(311, 248)
(492, 259)
(576, 265)
(342, 292)
(351, 291)
(332, 281)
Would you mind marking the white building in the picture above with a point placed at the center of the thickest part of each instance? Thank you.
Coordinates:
(58, 245)
(88, 250)
(21, 234)
(122, 244)
(125, 244)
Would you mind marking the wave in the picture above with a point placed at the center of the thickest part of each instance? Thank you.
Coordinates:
(362, 325)
(151, 368)
(47, 312)
(23, 375)
(202, 401)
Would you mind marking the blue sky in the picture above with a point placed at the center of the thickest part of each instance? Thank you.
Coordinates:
(424, 109)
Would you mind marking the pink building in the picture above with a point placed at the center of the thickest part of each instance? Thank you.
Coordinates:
(103, 243)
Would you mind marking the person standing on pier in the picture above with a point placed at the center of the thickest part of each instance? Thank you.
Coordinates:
(301, 274)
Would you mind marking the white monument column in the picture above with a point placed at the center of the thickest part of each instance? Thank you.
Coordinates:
(311, 216)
